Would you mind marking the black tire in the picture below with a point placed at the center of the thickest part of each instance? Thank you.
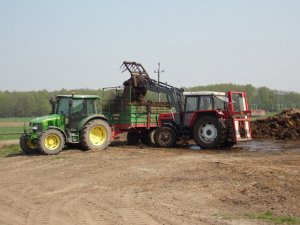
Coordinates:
(51, 142)
(133, 138)
(147, 138)
(165, 137)
(209, 132)
(95, 135)
(27, 146)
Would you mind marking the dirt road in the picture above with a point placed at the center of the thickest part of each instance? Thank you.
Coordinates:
(126, 185)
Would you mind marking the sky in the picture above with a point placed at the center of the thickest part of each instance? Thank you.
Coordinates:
(71, 44)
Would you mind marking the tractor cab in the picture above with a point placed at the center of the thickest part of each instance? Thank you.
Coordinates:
(205, 100)
(74, 108)
(202, 101)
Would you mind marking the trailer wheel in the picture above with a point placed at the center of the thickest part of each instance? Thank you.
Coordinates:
(147, 138)
(133, 138)
(95, 135)
(51, 142)
(209, 132)
(27, 146)
(165, 137)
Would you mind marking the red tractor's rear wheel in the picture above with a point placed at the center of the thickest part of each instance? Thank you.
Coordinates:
(209, 132)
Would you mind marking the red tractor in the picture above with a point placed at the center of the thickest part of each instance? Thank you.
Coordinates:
(212, 119)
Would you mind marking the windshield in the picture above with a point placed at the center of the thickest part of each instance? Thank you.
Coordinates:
(239, 103)
(63, 106)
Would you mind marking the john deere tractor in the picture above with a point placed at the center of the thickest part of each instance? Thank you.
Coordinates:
(74, 119)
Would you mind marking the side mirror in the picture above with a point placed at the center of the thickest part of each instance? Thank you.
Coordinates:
(70, 102)
(53, 102)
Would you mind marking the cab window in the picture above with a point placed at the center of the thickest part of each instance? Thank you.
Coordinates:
(219, 103)
(77, 106)
(206, 103)
(191, 103)
(91, 109)
(63, 106)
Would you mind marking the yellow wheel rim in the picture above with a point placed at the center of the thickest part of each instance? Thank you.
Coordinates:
(52, 141)
(98, 135)
(31, 145)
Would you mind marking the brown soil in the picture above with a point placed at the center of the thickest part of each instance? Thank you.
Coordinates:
(284, 126)
(141, 185)
(8, 142)
(11, 124)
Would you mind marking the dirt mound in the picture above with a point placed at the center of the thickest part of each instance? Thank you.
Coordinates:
(283, 126)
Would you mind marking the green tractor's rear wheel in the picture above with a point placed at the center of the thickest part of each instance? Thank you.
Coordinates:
(27, 146)
(51, 142)
(95, 135)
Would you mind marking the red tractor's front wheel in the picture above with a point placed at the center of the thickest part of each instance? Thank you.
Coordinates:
(165, 137)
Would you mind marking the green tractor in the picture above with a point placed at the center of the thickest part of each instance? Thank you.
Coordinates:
(74, 120)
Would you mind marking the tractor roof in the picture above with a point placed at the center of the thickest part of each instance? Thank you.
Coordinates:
(79, 96)
(204, 93)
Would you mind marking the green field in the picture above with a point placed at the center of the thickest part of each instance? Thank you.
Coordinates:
(16, 119)
(9, 126)
(4, 130)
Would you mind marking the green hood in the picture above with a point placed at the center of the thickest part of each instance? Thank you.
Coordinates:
(45, 119)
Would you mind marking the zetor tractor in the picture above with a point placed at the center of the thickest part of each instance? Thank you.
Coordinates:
(74, 120)
(212, 119)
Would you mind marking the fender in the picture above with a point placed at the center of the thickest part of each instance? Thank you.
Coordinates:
(57, 128)
(89, 118)
(198, 114)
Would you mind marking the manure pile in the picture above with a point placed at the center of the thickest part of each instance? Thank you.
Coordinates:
(283, 126)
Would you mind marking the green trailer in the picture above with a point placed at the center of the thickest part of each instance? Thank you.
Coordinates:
(139, 119)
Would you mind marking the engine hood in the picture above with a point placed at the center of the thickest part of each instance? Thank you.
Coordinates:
(43, 119)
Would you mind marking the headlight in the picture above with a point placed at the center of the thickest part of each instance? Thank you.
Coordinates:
(35, 128)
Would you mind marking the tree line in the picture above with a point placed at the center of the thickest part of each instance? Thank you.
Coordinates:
(36, 103)
(258, 98)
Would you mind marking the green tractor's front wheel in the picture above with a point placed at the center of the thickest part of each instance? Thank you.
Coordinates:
(51, 142)
(27, 146)
(95, 135)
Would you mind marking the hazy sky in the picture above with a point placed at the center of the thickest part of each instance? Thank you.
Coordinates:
(54, 44)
